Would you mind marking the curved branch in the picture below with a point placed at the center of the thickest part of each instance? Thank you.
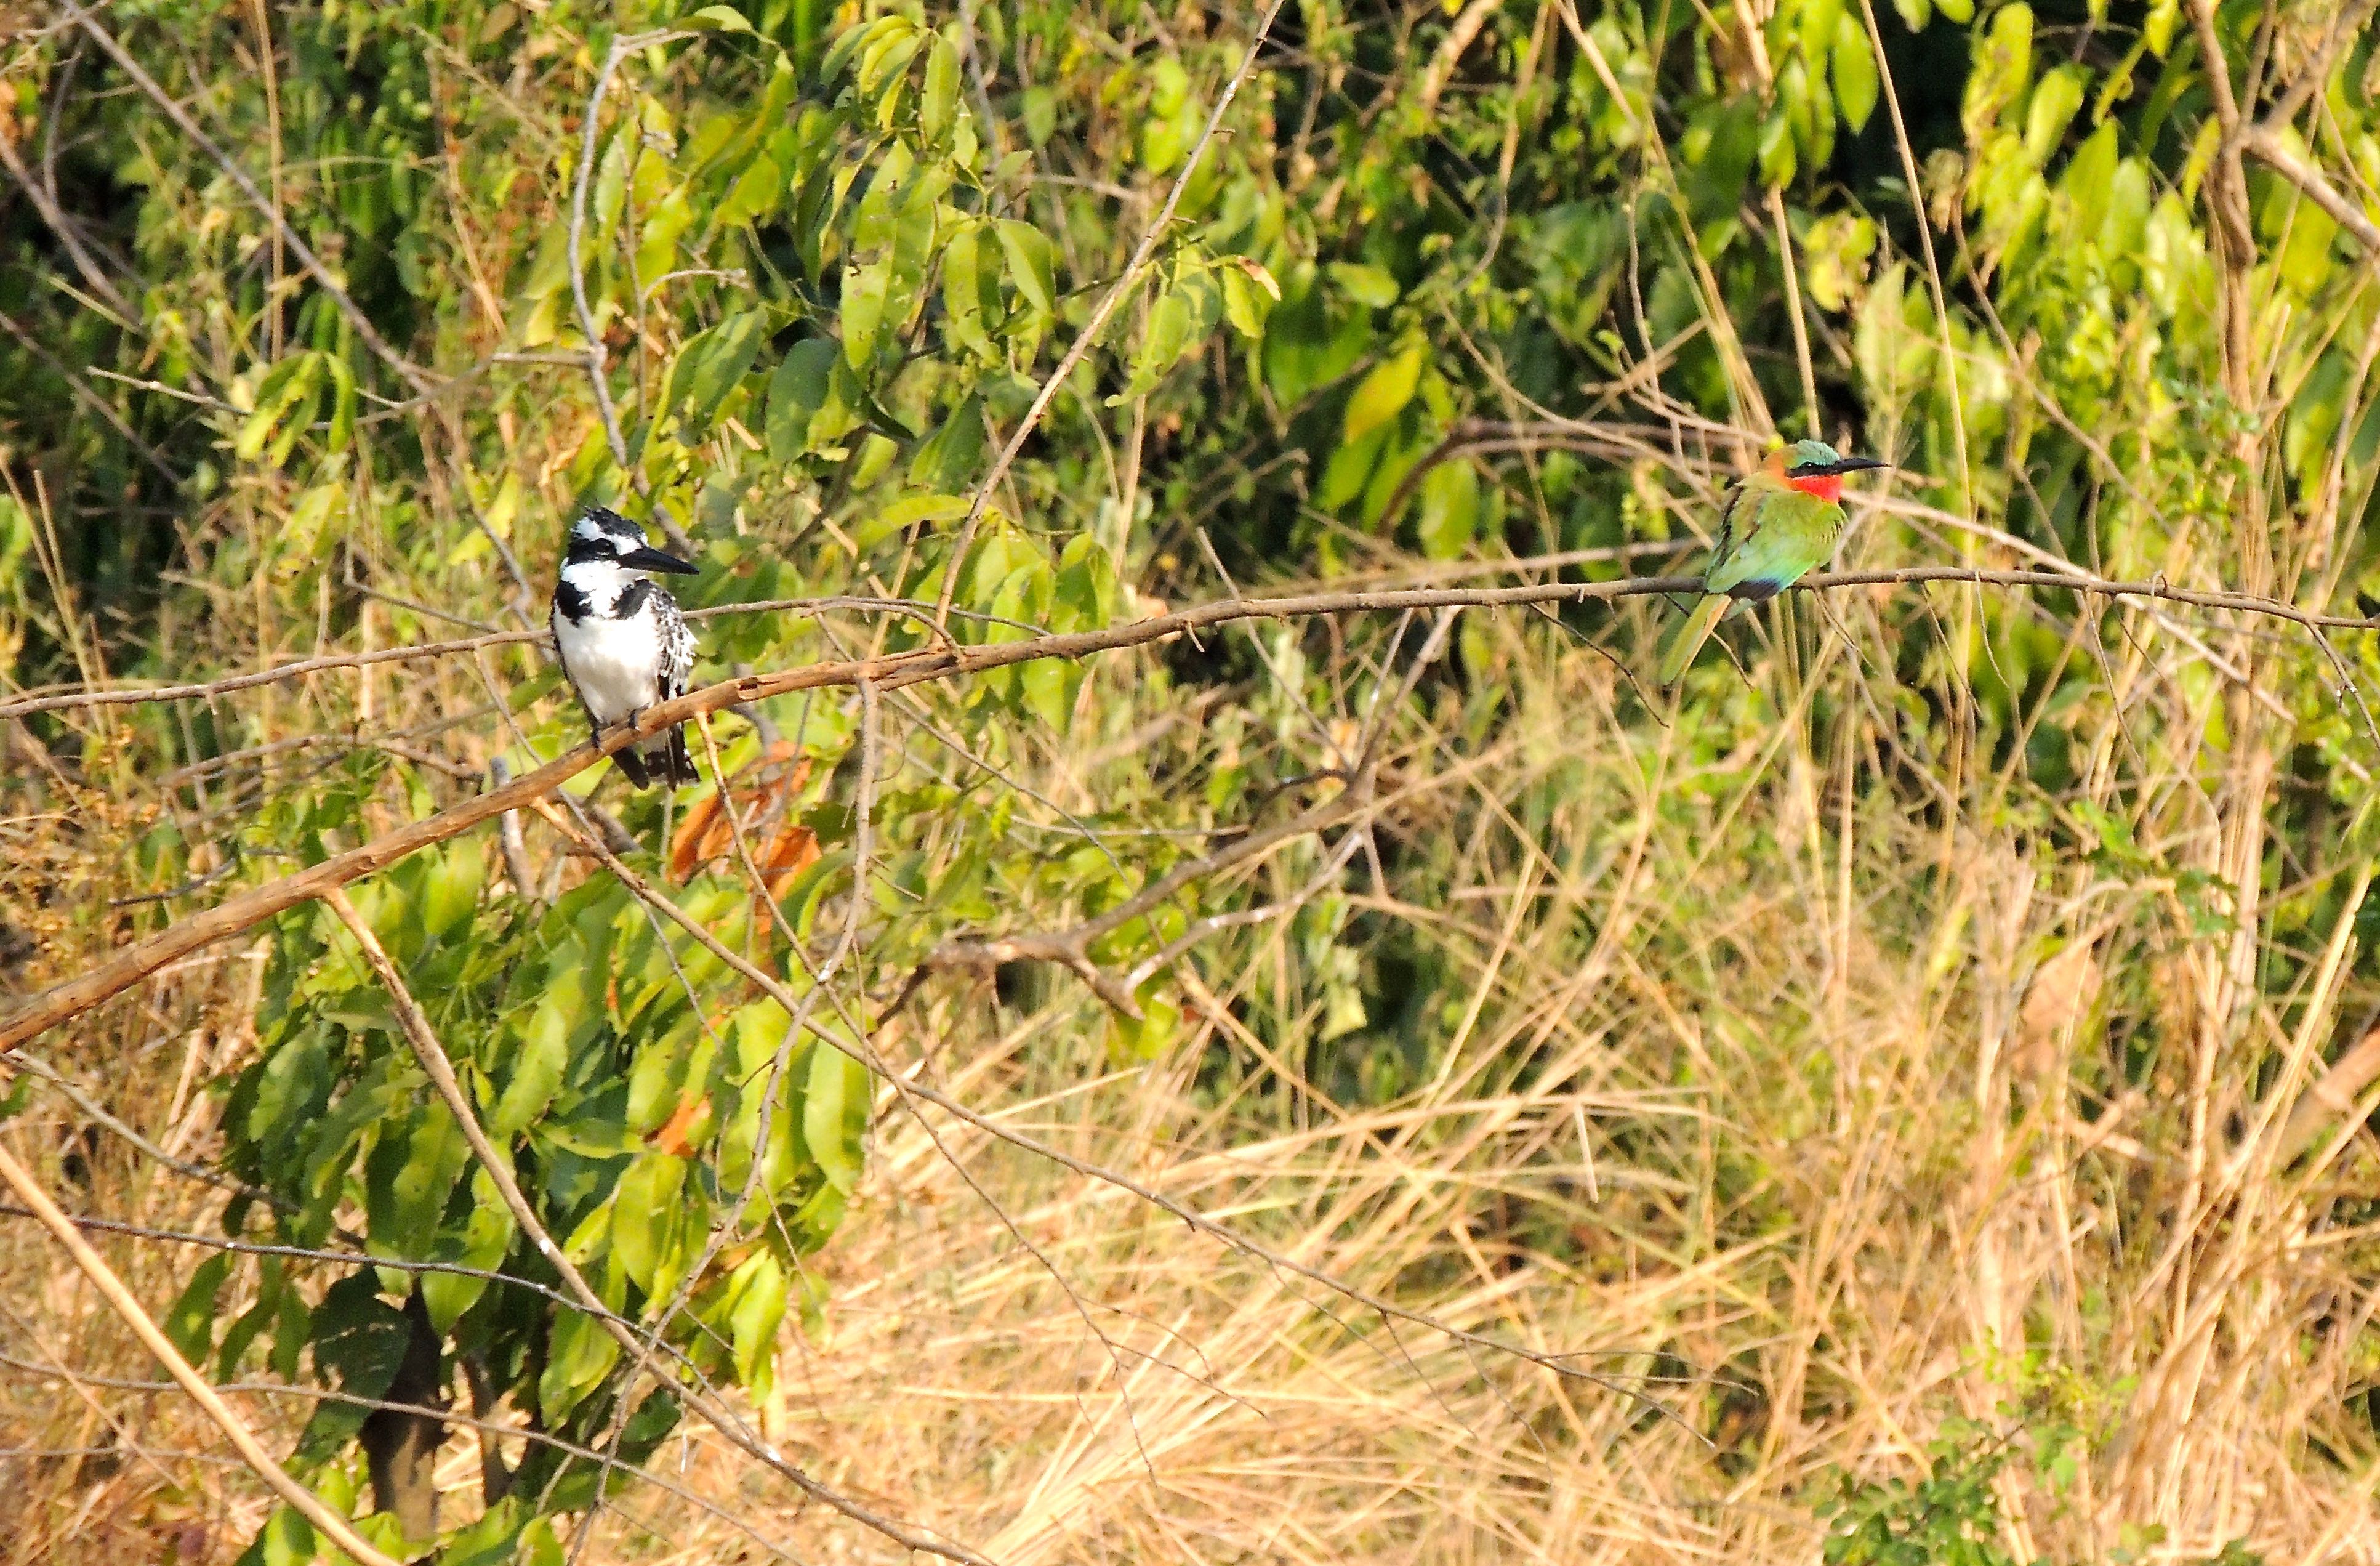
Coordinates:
(893, 671)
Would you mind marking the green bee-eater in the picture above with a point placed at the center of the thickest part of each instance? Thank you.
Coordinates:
(1780, 523)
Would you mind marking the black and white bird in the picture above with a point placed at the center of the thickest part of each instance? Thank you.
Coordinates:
(624, 643)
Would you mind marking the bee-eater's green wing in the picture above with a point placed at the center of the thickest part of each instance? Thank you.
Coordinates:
(1779, 535)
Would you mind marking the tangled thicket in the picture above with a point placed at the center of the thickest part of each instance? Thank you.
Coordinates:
(1921, 1073)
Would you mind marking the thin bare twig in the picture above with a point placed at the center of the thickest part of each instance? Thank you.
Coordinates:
(2275, 153)
(1124, 283)
(208, 690)
(411, 373)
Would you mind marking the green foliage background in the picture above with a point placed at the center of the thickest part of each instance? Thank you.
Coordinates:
(1496, 287)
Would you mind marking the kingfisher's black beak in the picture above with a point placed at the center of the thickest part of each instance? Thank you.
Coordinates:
(647, 558)
(1854, 465)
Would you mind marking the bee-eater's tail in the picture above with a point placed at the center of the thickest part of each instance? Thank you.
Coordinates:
(1691, 635)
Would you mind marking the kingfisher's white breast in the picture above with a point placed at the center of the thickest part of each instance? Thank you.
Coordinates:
(615, 664)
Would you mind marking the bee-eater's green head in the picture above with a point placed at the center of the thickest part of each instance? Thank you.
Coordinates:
(1815, 467)
(1816, 459)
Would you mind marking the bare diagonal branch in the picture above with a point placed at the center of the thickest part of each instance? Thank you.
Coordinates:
(333, 1526)
(432, 1055)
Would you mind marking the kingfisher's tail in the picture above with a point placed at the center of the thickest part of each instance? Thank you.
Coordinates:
(1691, 635)
(677, 766)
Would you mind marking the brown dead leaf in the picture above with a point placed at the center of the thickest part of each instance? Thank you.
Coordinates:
(673, 1135)
(687, 849)
(2059, 996)
(792, 851)
(707, 833)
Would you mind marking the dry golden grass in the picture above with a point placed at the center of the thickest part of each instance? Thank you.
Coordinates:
(1792, 1102)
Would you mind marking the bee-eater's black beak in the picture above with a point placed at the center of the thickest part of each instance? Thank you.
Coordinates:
(1856, 465)
(647, 558)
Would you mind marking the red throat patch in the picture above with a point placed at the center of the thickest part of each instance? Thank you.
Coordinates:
(1828, 487)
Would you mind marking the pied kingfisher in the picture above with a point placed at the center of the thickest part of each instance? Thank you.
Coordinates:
(624, 643)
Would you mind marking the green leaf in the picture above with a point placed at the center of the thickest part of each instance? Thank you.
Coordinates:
(715, 19)
(487, 1541)
(865, 289)
(1382, 394)
(486, 1239)
(710, 365)
(1029, 263)
(1050, 687)
(450, 888)
(579, 1354)
(2002, 68)
(886, 61)
(2054, 104)
(835, 1113)
(938, 107)
(1853, 70)
(286, 1539)
(190, 1324)
(536, 1062)
(1365, 284)
(1161, 1020)
(360, 1340)
(1778, 158)
(2158, 28)
(907, 513)
(1449, 511)
(949, 458)
(1178, 321)
(756, 1294)
(1085, 591)
(646, 1218)
(755, 194)
(657, 1081)
(802, 386)
(272, 1283)
(289, 381)
(1040, 115)
(343, 404)
(1246, 302)
(410, 1173)
(1815, 32)
(2090, 178)
(854, 38)
(966, 300)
